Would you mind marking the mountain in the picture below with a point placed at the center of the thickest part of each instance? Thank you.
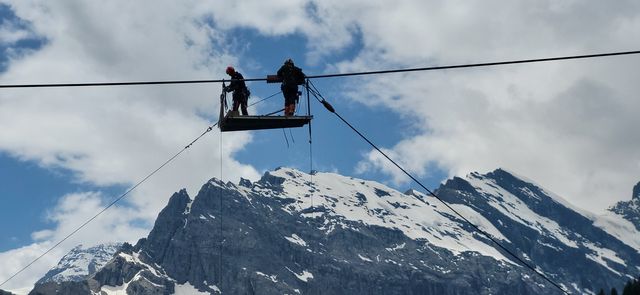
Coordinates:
(582, 251)
(81, 262)
(295, 233)
(74, 268)
(630, 210)
(3, 292)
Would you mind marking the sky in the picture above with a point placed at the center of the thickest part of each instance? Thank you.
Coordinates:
(65, 153)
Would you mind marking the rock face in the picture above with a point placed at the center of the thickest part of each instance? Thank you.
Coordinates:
(630, 210)
(293, 233)
(3, 292)
(551, 235)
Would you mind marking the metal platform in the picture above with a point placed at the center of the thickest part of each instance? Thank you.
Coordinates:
(242, 123)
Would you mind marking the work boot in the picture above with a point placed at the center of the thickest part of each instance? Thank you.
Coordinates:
(290, 109)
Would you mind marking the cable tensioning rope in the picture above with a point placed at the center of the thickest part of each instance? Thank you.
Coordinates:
(487, 64)
(270, 96)
(110, 205)
(316, 93)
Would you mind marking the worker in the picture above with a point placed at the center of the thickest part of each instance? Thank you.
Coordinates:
(291, 77)
(240, 91)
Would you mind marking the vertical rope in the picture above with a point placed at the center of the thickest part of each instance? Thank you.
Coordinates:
(285, 137)
(313, 262)
(220, 215)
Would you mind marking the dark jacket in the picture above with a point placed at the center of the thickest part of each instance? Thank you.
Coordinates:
(237, 85)
(291, 76)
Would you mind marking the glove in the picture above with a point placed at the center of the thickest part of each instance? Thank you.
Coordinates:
(227, 89)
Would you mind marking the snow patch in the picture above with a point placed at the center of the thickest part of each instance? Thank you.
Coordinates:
(512, 207)
(296, 240)
(215, 289)
(364, 258)
(273, 278)
(188, 289)
(601, 254)
(396, 247)
(305, 276)
(345, 199)
(187, 209)
(117, 290)
(620, 228)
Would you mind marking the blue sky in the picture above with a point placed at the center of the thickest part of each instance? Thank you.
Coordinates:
(33, 189)
(64, 153)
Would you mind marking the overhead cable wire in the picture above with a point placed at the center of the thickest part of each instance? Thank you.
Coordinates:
(476, 65)
(433, 68)
(134, 83)
(110, 204)
(331, 109)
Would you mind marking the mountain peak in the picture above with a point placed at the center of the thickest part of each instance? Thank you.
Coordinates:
(636, 191)
(81, 262)
(291, 232)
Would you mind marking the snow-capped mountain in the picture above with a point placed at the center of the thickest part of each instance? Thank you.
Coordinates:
(295, 233)
(81, 262)
(69, 276)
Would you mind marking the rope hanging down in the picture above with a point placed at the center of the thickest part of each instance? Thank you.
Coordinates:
(111, 204)
(330, 108)
(487, 64)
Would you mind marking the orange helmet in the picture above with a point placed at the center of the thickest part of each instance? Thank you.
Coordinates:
(230, 70)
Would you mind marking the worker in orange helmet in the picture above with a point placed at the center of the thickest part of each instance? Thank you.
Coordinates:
(240, 91)
(291, 77)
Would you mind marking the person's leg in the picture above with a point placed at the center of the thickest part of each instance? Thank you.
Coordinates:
(291, 109)
(236, 104)
(289, 102)
(243, 107)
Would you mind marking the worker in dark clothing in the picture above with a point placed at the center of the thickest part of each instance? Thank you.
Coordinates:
(291, 77)
(240, 91)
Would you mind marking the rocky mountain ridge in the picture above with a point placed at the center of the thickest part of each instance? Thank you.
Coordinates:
(295, 233)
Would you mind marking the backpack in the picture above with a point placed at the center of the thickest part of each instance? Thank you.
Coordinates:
(299, 77)
(293, 76)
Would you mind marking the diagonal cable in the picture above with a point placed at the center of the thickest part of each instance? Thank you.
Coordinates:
(330, 108)
(270, 96)
(110, 205)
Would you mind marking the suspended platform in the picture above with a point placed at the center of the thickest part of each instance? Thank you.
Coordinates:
(242, 123)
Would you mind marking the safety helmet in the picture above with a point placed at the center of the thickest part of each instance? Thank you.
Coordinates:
(288, 61)
(230, 70)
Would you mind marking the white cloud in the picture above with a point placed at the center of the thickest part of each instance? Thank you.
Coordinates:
(565, 124)
(111, 135)
(10, 33)
(71, 211)
(568, 125)
(118, 135)
(16, 259)
(114, 224)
